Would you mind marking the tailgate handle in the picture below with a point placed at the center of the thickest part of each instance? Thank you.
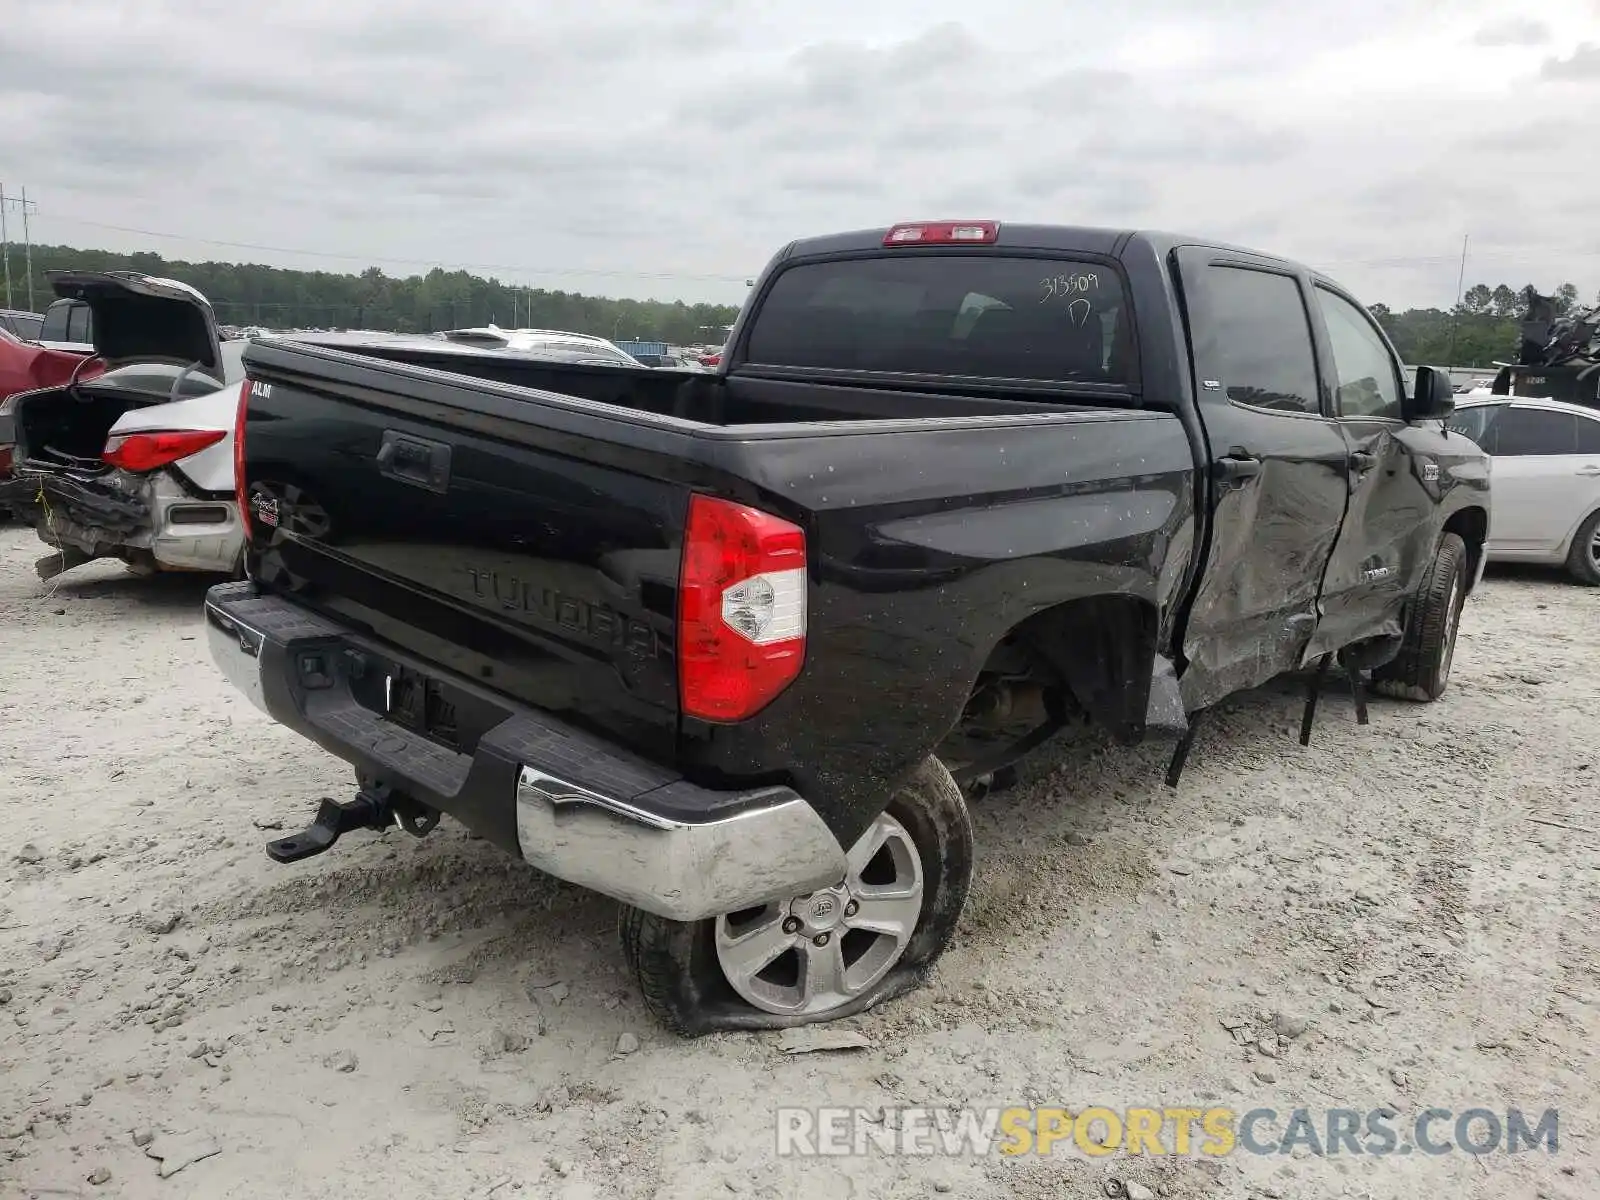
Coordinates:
(417, 461)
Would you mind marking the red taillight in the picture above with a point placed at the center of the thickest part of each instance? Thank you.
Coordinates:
(147, 451)
(741, 609)
(943, 233)
(241, 494)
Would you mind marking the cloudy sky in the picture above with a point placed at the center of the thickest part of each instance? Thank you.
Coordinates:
(666, 147)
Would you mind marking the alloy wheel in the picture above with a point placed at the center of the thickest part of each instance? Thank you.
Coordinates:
(815, 953)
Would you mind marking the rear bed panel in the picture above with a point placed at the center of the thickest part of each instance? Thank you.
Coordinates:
(911, 590)
(551, 579)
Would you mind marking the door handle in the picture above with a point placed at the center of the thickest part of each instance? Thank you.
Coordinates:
(1590, 469)
(1238, 465)
(1363, 461)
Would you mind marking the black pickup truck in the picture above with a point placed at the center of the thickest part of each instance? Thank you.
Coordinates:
(736, 648)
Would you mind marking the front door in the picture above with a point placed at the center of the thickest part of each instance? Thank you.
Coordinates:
(1387, 542)
(1278, 472)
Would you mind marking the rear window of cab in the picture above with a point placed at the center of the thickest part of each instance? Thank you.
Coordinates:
(985, 316)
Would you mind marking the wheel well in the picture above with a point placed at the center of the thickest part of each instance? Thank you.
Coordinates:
(1471, 525)
(1094, 654)
(1578, 528)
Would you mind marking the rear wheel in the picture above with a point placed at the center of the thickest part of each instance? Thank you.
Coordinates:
(1421, 671)
(1583, 560)
(828, 954)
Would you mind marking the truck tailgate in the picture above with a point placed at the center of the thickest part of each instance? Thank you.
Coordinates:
(494, 548)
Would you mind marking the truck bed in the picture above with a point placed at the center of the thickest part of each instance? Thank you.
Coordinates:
(702, 399)
(538, 554)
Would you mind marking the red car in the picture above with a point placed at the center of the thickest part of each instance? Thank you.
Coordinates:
(25, 367)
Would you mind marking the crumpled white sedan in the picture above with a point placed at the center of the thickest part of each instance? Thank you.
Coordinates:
(137, 463)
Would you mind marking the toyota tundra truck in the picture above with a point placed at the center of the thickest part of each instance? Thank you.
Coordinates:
(737, 648)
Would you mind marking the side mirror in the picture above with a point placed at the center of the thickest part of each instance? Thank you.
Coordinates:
(1434, 398)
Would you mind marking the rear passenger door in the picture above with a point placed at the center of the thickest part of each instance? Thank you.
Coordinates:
(1277, 481)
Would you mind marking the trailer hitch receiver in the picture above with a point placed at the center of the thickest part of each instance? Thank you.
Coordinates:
(373, 808)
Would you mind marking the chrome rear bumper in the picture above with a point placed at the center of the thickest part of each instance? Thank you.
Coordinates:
(236, 649)
(587, 812)
(686, 871)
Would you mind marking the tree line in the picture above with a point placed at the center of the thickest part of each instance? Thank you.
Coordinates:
(1483, 328)
(247, 294)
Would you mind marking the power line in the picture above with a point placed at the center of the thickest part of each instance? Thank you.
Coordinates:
(1401, 261)
(502, 268)
(1516, 255)
(1422, 260)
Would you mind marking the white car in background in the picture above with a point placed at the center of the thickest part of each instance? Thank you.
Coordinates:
(1545, 463)
(541, 342)
(671, 362)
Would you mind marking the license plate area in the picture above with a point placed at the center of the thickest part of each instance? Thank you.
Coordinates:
(424, 704)
(418, 703)
(437, 709)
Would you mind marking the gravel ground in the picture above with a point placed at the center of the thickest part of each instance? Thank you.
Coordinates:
(407, 1017)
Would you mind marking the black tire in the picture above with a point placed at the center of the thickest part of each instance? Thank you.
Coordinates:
(1421, 671)
(676, 963)
(1583, 560)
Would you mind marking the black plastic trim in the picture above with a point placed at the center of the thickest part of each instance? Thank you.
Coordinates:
(478, 788)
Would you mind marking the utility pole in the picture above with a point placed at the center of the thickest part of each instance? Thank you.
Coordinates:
(26, 207)
(27, 249)
(1455, 313)
(28, 253)
(5, 243)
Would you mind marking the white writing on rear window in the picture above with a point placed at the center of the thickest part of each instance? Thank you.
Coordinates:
(1067, 287)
